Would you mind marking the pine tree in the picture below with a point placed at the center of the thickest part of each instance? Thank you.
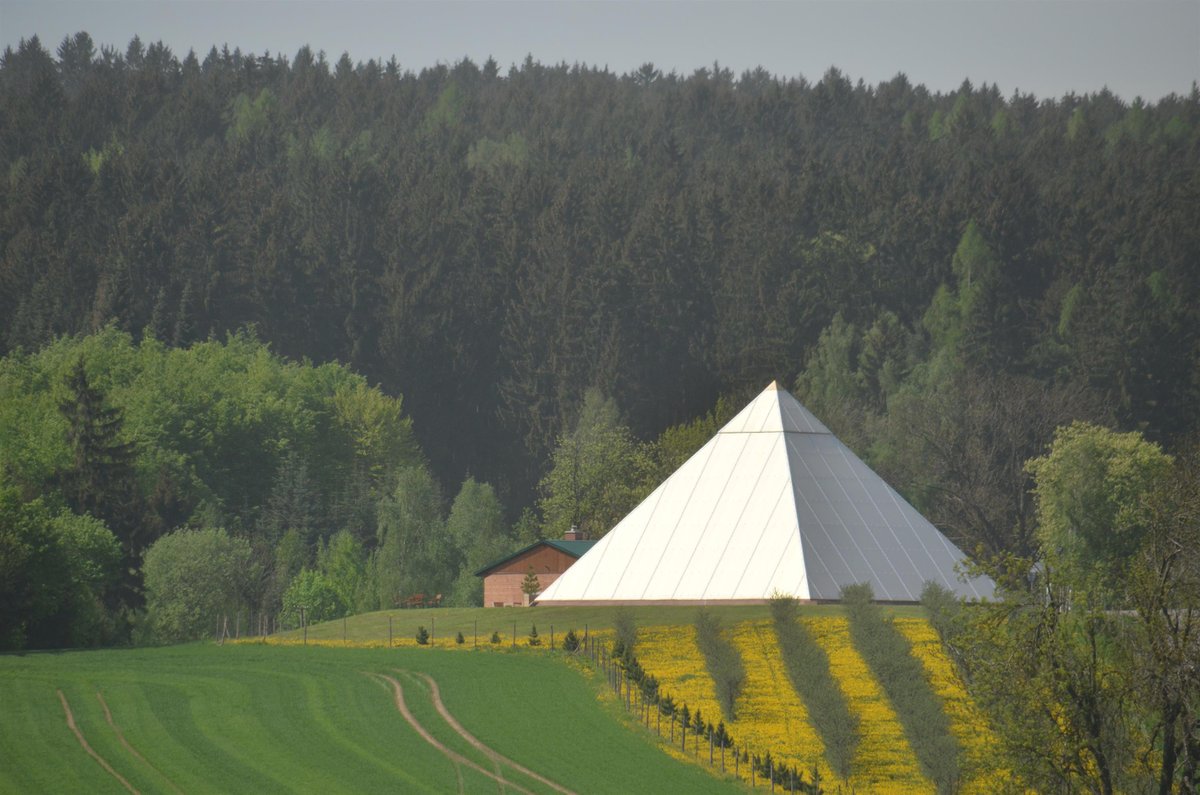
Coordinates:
(101, 479)
(534, 640)
(530, 586)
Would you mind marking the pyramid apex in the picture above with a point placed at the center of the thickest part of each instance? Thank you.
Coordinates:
(772, 387)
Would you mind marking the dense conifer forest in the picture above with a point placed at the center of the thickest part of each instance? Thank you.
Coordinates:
(572, 277)
(493, 241)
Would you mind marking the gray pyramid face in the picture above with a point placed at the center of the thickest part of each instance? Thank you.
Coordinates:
(774, 503)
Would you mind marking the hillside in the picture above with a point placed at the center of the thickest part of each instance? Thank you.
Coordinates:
(771, 715)
(251, 719)
(491, 243)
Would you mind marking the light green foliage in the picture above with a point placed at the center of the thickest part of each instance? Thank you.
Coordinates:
(959, 319)
(597, 472)
(1070, 305)
(250, 117)
(95, 159)
(1091, 491)
(447, 111)
(317, 594)
(1135, 126)
(413, 553)
(381, 436)
(937, 125)
(212, 423)
(193, 578)
(495, 156)
(476, 529)
(343, 562)
(1001, 124)
(530, 586)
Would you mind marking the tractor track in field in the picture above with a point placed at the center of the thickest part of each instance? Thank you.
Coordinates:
(453, 756)
(91, 751)
(129, 747)
(495, 756)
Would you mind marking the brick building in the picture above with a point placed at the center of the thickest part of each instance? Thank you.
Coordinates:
(502, 579)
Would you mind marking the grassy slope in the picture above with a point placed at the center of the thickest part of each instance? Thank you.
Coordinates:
(274, 719)
(373, 627)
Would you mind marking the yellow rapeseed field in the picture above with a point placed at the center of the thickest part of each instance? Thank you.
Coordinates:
(771, 716)
(769, 709)
(885, 762)
(966, 721)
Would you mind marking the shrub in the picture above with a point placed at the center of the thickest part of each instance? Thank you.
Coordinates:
(459, 639)
(534, 640)
(422, 636)
(317, 594)
(807, 667)
(723, 660)
(571, 641)
(495, 637)
(921, 712)
(192, 578)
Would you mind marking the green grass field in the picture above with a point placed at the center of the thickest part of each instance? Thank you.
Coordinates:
(250, 718)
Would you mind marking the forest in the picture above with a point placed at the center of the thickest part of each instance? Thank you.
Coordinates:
(262, 315)
(573, 276)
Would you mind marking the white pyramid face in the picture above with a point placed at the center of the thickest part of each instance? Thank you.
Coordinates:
(773, 503)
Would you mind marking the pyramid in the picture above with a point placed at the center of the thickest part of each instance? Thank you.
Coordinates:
(773, 503)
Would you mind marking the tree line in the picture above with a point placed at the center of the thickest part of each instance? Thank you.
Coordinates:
(146, 490)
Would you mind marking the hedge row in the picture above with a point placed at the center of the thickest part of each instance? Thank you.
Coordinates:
(921, 711)
(723, 660)
(808, 668)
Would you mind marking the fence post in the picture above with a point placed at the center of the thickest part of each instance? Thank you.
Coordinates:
(477, 633)
(551, 637)
(432, 629)
(343, 629)
(304, 623)
(389, 632)
(514, 644)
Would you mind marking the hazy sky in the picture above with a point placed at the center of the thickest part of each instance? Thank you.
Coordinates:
(1142, 48)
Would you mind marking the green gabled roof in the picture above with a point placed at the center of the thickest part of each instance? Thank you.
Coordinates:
(573, 548)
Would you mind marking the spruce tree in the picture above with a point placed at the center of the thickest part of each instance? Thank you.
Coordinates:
(530, 586)
(101, 479)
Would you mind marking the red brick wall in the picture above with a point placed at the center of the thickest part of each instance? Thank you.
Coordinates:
(502, 586)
